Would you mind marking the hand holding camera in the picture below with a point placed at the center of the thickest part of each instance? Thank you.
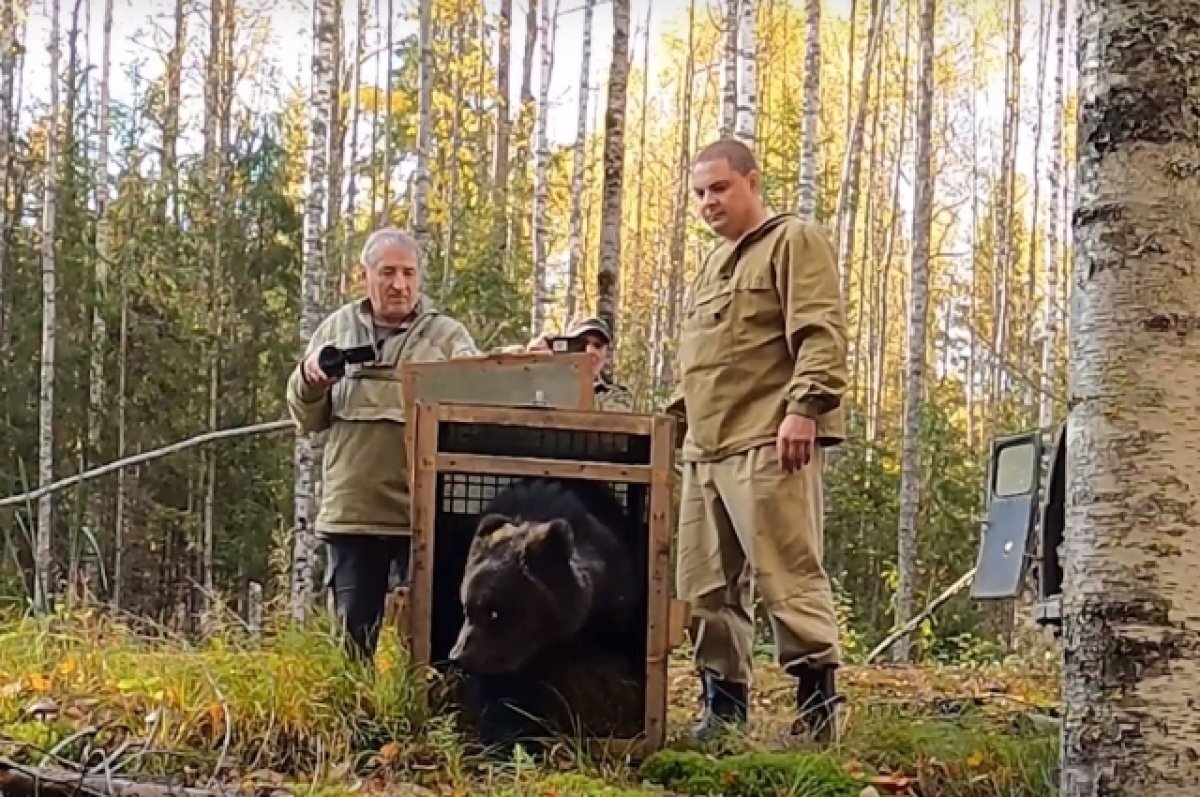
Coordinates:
(327, 365)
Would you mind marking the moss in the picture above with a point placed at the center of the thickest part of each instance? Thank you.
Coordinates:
(758, 774)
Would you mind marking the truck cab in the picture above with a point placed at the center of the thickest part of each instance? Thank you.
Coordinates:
(1023, 530)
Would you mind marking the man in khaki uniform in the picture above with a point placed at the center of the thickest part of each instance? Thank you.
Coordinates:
(364, 516)
(609, 396)
(762, 370)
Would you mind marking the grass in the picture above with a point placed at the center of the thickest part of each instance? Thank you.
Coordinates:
(289, 709)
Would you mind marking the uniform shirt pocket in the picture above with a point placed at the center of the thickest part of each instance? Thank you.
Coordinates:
(706, 337)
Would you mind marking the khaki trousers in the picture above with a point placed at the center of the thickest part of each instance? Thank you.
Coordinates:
(744, 521)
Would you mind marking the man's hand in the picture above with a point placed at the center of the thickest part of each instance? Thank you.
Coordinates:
(313, 374)
(795, 440)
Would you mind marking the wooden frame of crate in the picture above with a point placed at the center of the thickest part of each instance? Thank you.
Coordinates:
(457, 462)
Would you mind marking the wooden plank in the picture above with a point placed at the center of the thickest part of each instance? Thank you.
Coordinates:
(662, 464)
(537, 466)
(573, 420)
(563, 381)
(424, 515)
(679, 615)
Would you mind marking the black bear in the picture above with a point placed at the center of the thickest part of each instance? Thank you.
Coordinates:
(551, 561)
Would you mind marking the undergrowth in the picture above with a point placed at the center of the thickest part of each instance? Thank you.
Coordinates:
(289, 708)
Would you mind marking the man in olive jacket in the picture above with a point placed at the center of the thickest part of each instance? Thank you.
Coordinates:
(762, 370)
(364, 516)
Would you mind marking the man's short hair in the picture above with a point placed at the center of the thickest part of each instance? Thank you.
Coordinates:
(384, 238)
(740, 158)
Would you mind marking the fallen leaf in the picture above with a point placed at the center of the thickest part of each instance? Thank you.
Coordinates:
(974, 759)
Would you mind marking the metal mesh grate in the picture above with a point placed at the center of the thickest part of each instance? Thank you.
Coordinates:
(469, 493)
(522, 441)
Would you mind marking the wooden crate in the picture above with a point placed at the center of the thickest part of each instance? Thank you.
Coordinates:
(465, 453)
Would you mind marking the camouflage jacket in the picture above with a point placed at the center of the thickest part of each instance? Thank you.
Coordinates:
(611, 397)
(366, 470)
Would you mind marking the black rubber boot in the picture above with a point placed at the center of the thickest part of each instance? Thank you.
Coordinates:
(816, 700)
(725, 703)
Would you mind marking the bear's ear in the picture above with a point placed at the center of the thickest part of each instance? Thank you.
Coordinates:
(491, 523)
(549, 543)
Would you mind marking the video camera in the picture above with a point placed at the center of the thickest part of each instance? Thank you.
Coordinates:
(333, 360)
(565, 345)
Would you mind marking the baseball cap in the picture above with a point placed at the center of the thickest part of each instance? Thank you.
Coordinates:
(583, 326)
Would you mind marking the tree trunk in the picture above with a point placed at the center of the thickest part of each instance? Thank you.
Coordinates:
(304, 541)
(1131, 634)
(608, 277)
(918, 314)
(575, 264)
(424, 124)
(745, 124)
(1050, 326)
(42, 557)
(541, 178)
(503, 126)
(807, 206)
(729, 70)
(9, 103)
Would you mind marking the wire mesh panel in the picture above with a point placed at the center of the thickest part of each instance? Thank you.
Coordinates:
(455, 498)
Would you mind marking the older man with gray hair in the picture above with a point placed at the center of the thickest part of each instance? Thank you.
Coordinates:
(348, 385)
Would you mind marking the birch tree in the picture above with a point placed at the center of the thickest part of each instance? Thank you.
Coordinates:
(609, 274)
(420, 205)
(304, 539)
(575, 263)
(1050, 278)
(1132, 650)
(746, 120)
(807, 202)
(42, 558)
(541, 178)
(729, 69)
(918, 322)
(503, 126)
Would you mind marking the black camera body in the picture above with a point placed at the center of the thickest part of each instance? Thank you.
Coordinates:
(333, 360)
(563, 345)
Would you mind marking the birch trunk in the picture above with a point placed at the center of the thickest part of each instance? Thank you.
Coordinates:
(729, 70)
(918, 319)
(1131, 597)
(457, 37)
(745, 125)
(1050, 328)
(99, 333)
(609, 274)
(304, 540)
(503, 126)
(42, 559)
(541, 170)
(420, 205)
(8, 102)
(807, 205)
(575, 264)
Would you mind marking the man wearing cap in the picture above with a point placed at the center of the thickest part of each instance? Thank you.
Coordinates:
(609, 396)
(762, 371)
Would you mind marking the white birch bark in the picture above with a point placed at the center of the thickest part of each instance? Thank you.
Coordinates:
(304, 540)
(807, 204)
(1131, 604)
(42, 561)
(729, 53)
(575, 264)
(541, 170)
(1050, 312)
(745, 123)
(918, 322)
(420, 204)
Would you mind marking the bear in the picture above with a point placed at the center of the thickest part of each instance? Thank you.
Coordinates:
(552, 601)
(550, 560)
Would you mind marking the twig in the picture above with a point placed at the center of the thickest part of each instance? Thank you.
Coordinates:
(146, 456)
(17, 780)
(914, 623)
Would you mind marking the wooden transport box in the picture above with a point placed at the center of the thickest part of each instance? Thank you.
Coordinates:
(464, 453)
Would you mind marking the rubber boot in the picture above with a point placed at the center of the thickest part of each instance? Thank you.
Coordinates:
(725, 703)
(816, 701)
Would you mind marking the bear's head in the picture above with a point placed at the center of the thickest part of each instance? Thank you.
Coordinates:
(519, 593)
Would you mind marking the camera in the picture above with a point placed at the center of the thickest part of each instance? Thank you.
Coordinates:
(333, 360)
(564, 345)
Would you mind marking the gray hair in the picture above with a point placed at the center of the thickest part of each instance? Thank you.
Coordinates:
(386, 238)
